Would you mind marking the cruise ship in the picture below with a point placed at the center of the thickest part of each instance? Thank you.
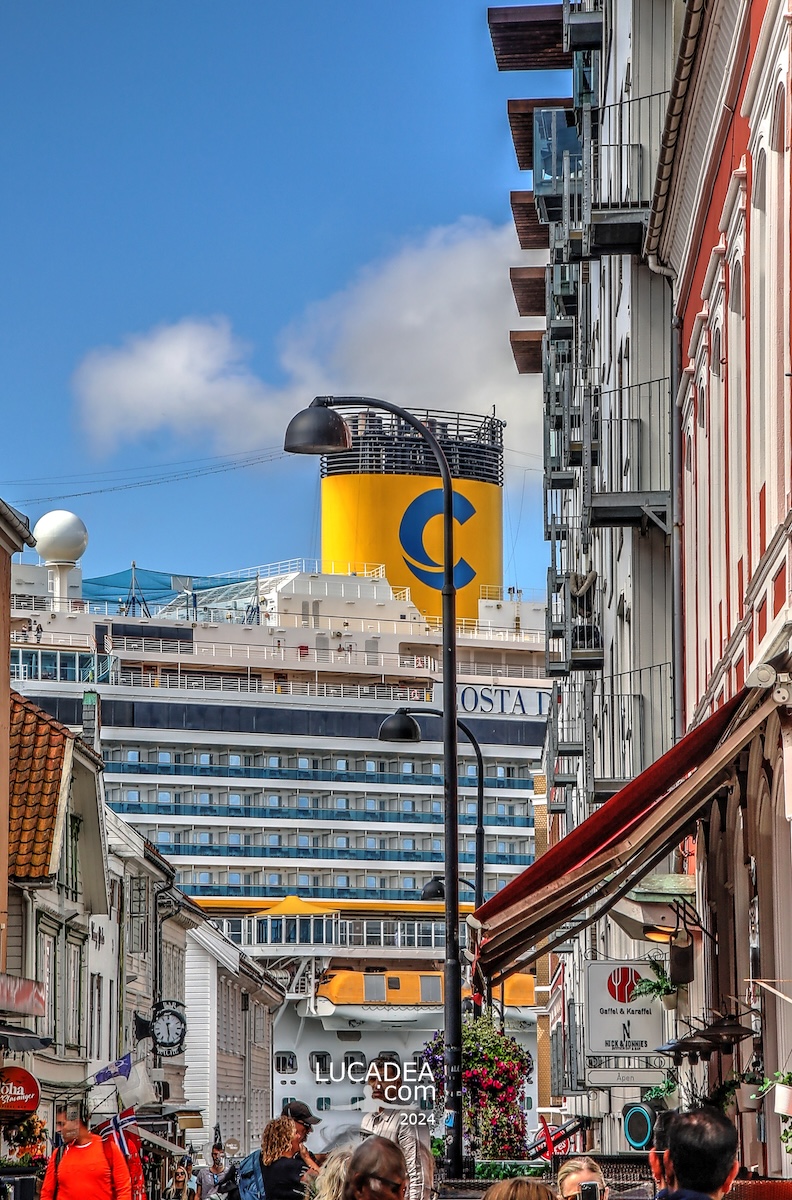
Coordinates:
(238, 720)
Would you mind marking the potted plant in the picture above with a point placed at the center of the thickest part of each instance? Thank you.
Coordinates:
(660, 987)
(662, 1091)
(781, 1086)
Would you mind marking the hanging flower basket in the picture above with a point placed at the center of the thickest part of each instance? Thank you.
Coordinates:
(782, 1099)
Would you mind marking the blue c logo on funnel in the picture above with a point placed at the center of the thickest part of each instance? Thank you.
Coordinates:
(411, 535)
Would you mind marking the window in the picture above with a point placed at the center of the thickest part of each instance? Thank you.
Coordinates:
(342, 802)
(48, 974)
(341, 764)
(273, 801)
(303, 840)
(371, 804)
(163, 756)
(204, 878)
(303, 802)
(303, 881)
(322, 1103)
(371, 843)
(234, 879)
(437, 768)
(303, 764)
(203, 837)
(500, 772)
(205, 760)
(437, 806)
(370, 765)
(204, 798)
(407, 768)
(355, 1058)
(342, 881)
(163, 837)
(408, 843)
(133, 796)
(437, 844)
(431, 989)
(394, 983)
(374, 989)
(133, 756)
(235, 760)
(233, 928)
(234, 799)
(470, 807)
(235, 839)
(163, 797)
(273, 880)
(273, 760)
(408, 805)
(319, 1062)
(73, 992)
(342, 842)
(286, 1062)
(138, 909)
(273, 839)
(371, 881)
(471, 770)
(408, 883)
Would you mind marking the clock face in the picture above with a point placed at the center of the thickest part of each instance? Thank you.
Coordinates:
(168, 1028)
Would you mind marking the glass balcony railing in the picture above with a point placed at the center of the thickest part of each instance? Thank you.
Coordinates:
(266, 813)
(555, 138)
(336, 854)
(324, 776)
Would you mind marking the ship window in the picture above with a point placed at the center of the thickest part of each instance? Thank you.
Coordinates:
(133, 797)
(437, 844)
(394, 983)
(371, 804)
(341, 802)
(163, 756)
(205, 759)
(500, 772)
(409, 843)
(371, 881)
(342, 842)
(341, 764)
(303, 802)
(437, 806)
(133, 756)
(235, 839)
(273, 839)
(273, 801)
(370, 765)
(342, 881)
(235, 799)
(204, 837)
(408, 805)
(437, 768)
(286, 1101)
(322, 1103)
(407, 768)
(303, 764)
(470, 807)
(234, 879)
(501, 810)
(163, 797)
(235, 760)
(286, 1062)
(204, 877)
(371, 843)
(471, 769)
(431, 989)
(163, 837)
(274, 760)
(319, 1062)
(408, 883)
(303, 880)
(374, 989)
(304, 841)
(274, 880)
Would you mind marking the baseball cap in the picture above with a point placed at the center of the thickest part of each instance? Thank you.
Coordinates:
(301, 1112)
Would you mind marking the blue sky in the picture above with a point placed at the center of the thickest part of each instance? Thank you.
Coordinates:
(212, 211)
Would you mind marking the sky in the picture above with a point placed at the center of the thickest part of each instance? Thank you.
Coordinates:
(213, 212)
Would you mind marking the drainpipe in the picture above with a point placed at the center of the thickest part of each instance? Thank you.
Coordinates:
(678, 632)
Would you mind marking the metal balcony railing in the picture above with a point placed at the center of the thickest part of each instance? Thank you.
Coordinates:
(622, 158)
(574, 622)
(627, 454)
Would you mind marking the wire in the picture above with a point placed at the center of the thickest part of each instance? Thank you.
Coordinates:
(217, 458)
(221, 467)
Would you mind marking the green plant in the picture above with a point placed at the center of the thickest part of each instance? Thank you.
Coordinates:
(785, 1079)
(656, 988)
(509, 1170)
(659, 1092)
(722, 1095)
(495, 1069)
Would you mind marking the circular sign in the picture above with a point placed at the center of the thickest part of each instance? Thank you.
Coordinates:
(19, 1094)
(639, 1120)
(553, 1144)
(621, 983)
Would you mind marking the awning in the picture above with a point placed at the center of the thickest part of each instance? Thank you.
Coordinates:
(14, 1037)
(596, 864)
(160, 1142)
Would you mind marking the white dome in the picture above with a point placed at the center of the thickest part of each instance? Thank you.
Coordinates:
(60, 537)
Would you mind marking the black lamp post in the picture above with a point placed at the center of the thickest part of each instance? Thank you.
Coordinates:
(401, 726)
(320, 430)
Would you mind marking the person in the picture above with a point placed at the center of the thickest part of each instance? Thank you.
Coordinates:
(376, 1171)
(84, 1165)
(331, 1179)
(520, 1188)
(209, 1178)
(391, 1120)
(305, 1121)
(39, 632)
(178, 1188)
(580, 1170)
(286, 1162)
(657, 1163)
(701, 1155)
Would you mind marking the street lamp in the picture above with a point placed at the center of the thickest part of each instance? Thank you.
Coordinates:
(320, 430)
(402, 726)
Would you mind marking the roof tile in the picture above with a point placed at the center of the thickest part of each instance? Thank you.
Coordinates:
(37, 755)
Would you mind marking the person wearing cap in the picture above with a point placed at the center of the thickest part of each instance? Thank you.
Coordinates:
(305, 1120)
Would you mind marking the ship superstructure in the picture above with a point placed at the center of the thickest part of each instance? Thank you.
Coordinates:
(237, 716)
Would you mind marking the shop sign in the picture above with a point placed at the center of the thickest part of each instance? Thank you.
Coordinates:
(605, 1077)
(24, 996)
(19, 1092)
(615, 1024)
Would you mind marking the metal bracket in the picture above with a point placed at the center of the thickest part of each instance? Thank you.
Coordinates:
(654, 517)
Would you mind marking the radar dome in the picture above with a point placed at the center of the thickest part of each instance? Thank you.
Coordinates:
(60, 537)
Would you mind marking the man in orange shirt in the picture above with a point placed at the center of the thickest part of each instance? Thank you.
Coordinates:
(85, 1165)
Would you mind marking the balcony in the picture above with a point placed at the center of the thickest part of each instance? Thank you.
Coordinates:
(325, 933)
(627, 456)
(526, 347)
(336, 854)
(565, 737)
(629, 724)
(258, 812)
(529, 287)
(521, 123)
(574, 620)
(529, 38)
(562, 291)
(582, 24)
(531, 233)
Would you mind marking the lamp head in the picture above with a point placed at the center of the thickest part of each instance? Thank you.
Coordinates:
(399, 727)
(318, 429)
(433, 890)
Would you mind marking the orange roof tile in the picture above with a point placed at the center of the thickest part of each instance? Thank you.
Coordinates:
(37, 757)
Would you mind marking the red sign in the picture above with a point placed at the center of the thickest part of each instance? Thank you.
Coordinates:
(23, 996)
(19, 1092)
(621, 983)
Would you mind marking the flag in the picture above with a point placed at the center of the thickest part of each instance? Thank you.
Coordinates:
(123, 1130)
(122, 1066)
(137, 1089)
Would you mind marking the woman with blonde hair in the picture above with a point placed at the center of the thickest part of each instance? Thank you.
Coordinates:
(580, 1170)
(332, 1177)
(286, 1165)
(520, 1188)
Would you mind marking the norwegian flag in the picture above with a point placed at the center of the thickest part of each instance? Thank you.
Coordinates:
(123, 1130)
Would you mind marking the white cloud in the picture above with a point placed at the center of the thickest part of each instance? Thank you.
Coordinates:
(426, 327)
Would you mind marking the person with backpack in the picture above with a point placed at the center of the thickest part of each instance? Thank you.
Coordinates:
(84, 1165)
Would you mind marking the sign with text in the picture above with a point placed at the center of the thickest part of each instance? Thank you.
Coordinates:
(19, 1092)
(615, 1024)
(605, 1077)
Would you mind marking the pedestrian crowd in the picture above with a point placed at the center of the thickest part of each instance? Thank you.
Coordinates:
(694, 1157)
